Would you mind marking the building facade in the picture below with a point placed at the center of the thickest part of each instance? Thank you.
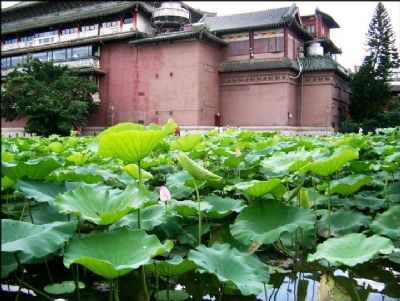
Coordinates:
(268, 70)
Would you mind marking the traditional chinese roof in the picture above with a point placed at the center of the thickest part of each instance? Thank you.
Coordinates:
(34, 14)
(327, 18)
(328, 45)
(271, 18)
(180, 35)
(323, 63)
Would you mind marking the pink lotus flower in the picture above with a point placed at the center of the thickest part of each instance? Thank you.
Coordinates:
(165, 195)
(238, 152)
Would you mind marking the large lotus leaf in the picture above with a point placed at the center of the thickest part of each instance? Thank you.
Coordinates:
(149, 218)
(220, 207)
(113, 254)
(86, 173)
(101, 207)
(40, 191)
(232, 266)
(36, 169)
(350, 184)
(258, 188)
(172, 267)
(56, 147)
(283, 163)
(122, 127)
(331, 165)
(65, 287)
(7, 156)
(35, 240)
(133, 171)
(195, 170)
(388, 223)
(362, 201)
(129, 146)
(264, 221)
(343, 222)
(6, 182)
(351, 249)
(42, 213)
(187, 142)
(169, 127)
(189, 208)
(78, 158)
(176, 185)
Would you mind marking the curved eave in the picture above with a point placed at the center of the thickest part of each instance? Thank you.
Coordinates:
(180, 36)
(256, 65)
(83, 41)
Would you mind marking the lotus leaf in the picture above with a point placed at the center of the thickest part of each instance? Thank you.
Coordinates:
(101, 207)
(195, 170)
(189, 208)
(113, 254)
(129, 146)
(282, 163)
(351, 249)
(349, 185)
(6, 182)
(133, 171)
(122, 127)
(220, 207)
(169, 127)
(362, 201)
(9, 263)
(388, 223)
(56, 147)
(35, 240)
(343, 222)
(232, 266)
(264, 221)
(172, 295)
(65, 287)
(36, 169)
(149, 218)
(187, 142)
(7, 157)
(258, 188)
(172, 267)
(42, 213)
(330, 165)
(40, 191)
(86, 173)
(78, 159)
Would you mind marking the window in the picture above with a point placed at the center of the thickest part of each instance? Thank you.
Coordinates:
(239, 48)
(59, 55)
(42, 56)
(311, 28)
(128, 20)
(110, 24)
(18, 60)
(89, 27)
(46, 40)
(81, 52)
(6, 62)
(10, 41)
(268, 45)
(45, 34)
(68, 30)
(27, 38)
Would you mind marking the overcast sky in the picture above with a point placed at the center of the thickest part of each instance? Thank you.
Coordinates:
(353, 18)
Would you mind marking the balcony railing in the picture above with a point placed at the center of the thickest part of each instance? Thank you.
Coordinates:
(83, 63)
(69, 37)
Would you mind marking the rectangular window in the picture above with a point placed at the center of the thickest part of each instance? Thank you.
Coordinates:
(272, 45)
(89, 27)
(239, 48)
(27, 38)
(69, 53)
(81, 52)
(68, 30)
(110, 24)
(42, 56)
(10, 41)
(268, 45)
(59, 55)
(261, 46)
(46, 40)
(6, 62)
(279, 44)
(45, 34)
(311, 28)
(18, 60)
(128, 20)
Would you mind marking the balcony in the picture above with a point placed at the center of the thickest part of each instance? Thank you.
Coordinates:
(83, 63)
(70, 37)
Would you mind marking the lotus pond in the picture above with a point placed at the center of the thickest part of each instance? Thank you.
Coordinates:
(139, 214)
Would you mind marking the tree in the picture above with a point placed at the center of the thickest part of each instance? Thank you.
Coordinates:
(52, 98)
(369, 84)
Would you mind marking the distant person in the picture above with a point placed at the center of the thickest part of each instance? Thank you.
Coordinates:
(78, 131)
(177, 131)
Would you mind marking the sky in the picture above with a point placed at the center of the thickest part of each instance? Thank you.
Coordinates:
(353, 18)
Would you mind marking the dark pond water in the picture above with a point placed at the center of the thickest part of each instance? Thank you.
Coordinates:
(377, 281)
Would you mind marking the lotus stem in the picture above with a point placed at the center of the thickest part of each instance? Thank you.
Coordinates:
(48, 271)
(168, 287)
(116, 290)
(110, 295)
(156, 269)
(76, 280)
(265, 291)
(146, 293)
(329, 209)
(21, 269)
(29, 211)
(22, 212)
(198, 209)
(140, 188)
(35, 289)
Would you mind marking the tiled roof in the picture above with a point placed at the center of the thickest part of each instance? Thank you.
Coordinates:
(328, 19)
(73, 14)
(181, 35)
(321, 63)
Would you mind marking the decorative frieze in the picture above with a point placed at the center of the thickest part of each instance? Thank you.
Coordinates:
(253, 78)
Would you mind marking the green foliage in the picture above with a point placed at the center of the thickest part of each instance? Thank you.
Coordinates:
(53, 99)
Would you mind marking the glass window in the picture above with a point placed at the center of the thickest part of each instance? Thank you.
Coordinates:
(10, 41)
(69, 53)
(80, 52)
(59, 54)
(239, 48)
(311, 28)
(18, 60)
(45, 34)
(261, 45)
(42, 56)
(95, 50)
(279, 44)
(110, 24)
(89, 27)
(128, 20)
(68, 30)
(6, 62)
(27, 38)
(46, 40)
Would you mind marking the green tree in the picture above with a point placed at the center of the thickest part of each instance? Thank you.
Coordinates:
(369, 84)
(52, 98)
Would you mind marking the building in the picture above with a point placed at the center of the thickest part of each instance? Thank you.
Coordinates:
(267, 70)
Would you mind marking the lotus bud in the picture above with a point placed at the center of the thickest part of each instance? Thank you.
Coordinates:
(238, 153)
(165, 195)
